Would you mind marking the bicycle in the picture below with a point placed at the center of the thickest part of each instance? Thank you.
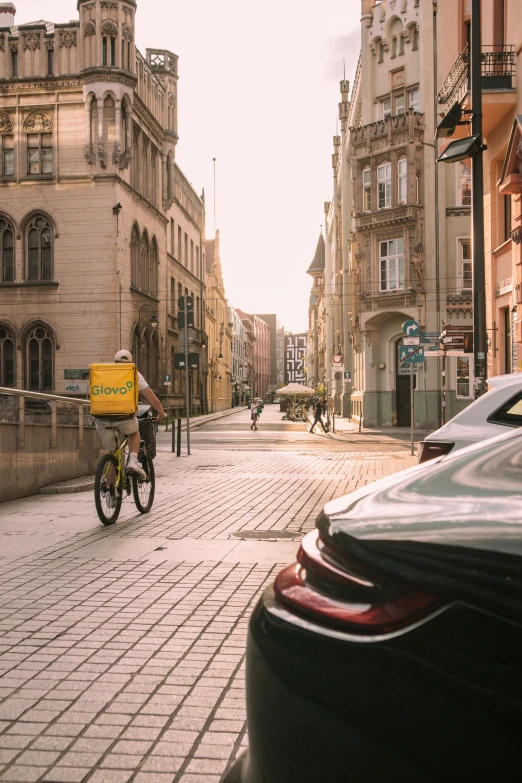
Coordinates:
(112, 480)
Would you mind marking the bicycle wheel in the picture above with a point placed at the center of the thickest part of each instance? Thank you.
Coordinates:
(106, 493)
(143, 489)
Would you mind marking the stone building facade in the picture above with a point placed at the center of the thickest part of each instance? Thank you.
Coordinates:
(239, 358)
(501, 66)
(262, 357)
(100, 231)
(219, 331)
(316, 343)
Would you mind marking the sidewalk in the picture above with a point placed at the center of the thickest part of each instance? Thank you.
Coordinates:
(199, 421)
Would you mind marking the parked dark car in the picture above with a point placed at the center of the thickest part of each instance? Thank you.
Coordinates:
(392, 651)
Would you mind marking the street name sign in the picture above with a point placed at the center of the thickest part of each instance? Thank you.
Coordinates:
(411, 340)
(411, 328)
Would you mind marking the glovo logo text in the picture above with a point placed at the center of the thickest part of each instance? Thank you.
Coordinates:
(109, 390)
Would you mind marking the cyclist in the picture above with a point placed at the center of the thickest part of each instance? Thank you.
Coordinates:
(129, 424)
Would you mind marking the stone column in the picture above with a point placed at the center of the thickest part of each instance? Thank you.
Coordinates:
(117, 134)
(101, 150)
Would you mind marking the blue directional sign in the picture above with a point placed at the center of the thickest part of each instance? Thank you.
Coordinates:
(412, 355)
(411, 328)
(347, 376)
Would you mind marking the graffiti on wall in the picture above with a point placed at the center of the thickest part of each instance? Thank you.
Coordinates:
(295, 358)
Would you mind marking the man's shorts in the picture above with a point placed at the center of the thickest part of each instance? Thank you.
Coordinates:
(108, 435)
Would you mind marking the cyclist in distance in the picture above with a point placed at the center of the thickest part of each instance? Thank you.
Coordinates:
(128, 425)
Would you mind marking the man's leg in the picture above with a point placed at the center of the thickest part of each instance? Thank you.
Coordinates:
(131, 429)
(320, 420)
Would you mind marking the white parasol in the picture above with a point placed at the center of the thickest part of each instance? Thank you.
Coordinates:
(295, 389)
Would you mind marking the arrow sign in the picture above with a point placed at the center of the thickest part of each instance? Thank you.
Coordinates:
(411, 328)
(414, 355)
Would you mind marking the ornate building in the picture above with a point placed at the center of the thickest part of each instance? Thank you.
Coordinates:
(100, 232)
(219, 331)
(316, 344)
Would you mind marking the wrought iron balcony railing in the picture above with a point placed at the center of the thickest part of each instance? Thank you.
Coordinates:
(497, 70)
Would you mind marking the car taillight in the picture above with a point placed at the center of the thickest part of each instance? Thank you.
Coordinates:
(431, 449)
(346, 597)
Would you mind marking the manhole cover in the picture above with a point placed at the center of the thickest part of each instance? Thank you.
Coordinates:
(264, 535)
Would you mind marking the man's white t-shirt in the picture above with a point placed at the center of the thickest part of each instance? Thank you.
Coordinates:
(142, 383)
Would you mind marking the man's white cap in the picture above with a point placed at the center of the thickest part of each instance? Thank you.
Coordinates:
(123, 356)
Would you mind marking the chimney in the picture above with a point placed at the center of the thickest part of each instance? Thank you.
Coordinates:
(7, 15)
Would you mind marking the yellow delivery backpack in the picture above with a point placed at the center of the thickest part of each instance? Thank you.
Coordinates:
(113, 389)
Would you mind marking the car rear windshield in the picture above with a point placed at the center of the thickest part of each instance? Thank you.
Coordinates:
(510, 413)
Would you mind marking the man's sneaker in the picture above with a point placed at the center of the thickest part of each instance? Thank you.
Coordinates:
(134, 468)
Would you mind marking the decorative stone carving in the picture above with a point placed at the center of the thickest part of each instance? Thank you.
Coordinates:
(109, 28)
(126, 32)
(2, 43)
(90, 156)
(89, 28)
(13, 47)
(32, 86)
(89, 6)
(49, 45)
(39, 122)
(30, 41)
(6, 125)
(102, 156)
(67, 38)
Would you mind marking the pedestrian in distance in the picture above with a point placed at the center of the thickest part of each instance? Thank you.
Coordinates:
(253, 415)
(318, 413)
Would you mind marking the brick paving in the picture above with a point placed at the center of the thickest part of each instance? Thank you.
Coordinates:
(121, 649)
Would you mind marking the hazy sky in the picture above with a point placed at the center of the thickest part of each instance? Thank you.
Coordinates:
(258, 90)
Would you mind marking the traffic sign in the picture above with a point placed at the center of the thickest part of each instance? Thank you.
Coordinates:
(337, 360)
(348, 377)
(338, 376)
(166, 380)
(411, 328)
(183, 334)
(411, 340)
(413, 355)
(181, 319)
(189, 301)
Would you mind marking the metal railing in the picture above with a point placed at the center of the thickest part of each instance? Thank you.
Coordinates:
(54, 400)
(497, 70)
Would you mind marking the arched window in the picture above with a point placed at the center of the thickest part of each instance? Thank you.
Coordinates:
(39, 131)
(135, 257)
(39, 234)
(154, 175)
(7, 357)
(143, 363)
(154, 268)
(7, 268)
(6, 146)
(145, 264)
(153, 362)
(39, 359)
(109, 31)
(135, 350)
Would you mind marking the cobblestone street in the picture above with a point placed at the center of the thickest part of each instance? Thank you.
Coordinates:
(121, 649)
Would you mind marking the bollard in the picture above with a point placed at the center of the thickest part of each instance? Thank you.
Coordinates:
(178, 451)
(173, 433)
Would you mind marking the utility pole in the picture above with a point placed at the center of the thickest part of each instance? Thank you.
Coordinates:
(187, 387)
(477, 209)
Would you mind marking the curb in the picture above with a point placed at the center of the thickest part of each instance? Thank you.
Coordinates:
(200, 421)
(70, 487)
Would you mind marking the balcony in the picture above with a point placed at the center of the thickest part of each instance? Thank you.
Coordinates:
(498, 89)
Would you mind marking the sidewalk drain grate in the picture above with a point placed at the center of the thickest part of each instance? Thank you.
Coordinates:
(264, 535)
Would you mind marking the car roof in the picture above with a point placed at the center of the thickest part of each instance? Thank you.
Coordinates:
(504, 380)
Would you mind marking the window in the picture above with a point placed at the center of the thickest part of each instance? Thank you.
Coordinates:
(135, 257)
(154, 268)
(399, 104)
(463, 184)
(198, 270)
(39, 249)
(510, 413)
(467, 264)
(39, 153)
(7, 155)
(180, 248)
(464, 385)
(385, 108)
(14, 63)
(384, 185)
(7, 269)
(402, 179)
(192, 256)
(507, 218)
(414, 100)
(392, 264)
(50, 62)
(145, 260)
(367, 190)
(172, 295)
(39, 359)
(186, 251)
(7, 357)
(172, 236)
(180, 291)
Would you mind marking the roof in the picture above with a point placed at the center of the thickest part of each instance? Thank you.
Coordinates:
(318, 264)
